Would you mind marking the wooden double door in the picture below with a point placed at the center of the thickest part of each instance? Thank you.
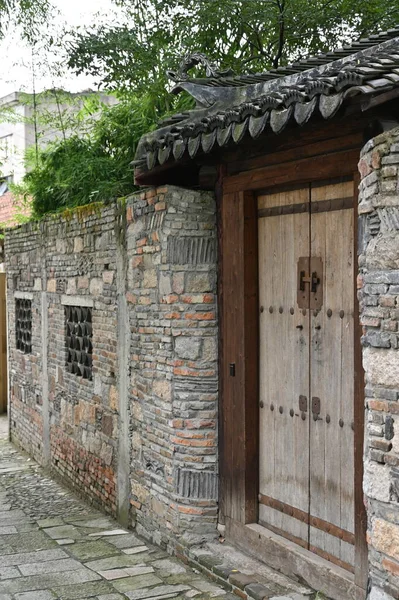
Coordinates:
(306, 370)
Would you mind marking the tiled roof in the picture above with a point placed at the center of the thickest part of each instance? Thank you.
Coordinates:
(230, 107)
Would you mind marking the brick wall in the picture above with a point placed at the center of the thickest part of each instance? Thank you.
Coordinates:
(140, 437)
(172, 306)
(379, 303)
(25, 370)
(10, 208)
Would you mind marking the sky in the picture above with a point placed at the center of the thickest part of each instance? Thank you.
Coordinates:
(16, 56)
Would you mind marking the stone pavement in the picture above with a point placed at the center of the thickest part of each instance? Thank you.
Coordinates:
(54, 546)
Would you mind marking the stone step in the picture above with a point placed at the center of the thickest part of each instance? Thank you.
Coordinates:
(246, 577)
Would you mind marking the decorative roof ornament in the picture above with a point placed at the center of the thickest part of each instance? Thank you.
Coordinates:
(231, 107)
(192, 60)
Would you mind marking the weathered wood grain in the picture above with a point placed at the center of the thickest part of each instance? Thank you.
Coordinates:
(3, 345)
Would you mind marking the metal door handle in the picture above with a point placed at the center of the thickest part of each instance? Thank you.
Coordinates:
(315, 281)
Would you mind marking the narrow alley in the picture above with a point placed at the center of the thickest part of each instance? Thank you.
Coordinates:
(54, 546)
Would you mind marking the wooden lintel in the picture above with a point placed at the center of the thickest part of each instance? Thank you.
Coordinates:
(379, 99)
(299, 171)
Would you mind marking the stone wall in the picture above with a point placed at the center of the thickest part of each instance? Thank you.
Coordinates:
(379, 306)
(171, 287)
(140, 436)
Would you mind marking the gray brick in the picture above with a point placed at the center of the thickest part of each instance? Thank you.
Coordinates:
(258, 591)
(24, 558)
(51, 566)
(241, 580)
(36, 595)
(157, 592)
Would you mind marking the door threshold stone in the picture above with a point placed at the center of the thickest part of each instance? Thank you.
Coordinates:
(243, 575)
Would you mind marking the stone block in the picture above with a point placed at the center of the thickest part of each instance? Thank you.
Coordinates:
(385, 537)
(178, 283)
(258, 591)
(71, 286)
(199, 282)
(209, 561)
(108, 277)
(161, 591)
(210, 349)
(162, 388)
(107, 425)
(50, 566)
(61, 245)
(150, 279)
(375, 430)
(78, 244)
(52, 285)
(390, 171)
(37, 595)
(165, 286)
(83, 283)
(381, 366)
(376, 481)
(106, 453)
(381, 277)
(372, 288)
(380, 444)
(188, 347)
(377, 339)
(241, 580)
(377, 593)
(383, 252)
(113, 398)
(96, 287)
(377, 456)
(224, 571)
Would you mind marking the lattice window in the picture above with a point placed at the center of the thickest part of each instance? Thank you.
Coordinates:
(78, 338)
(23, 325)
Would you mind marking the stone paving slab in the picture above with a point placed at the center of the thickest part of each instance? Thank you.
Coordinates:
(53, 546)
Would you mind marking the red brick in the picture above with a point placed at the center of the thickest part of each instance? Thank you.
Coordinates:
(380, 405)
(364, 168)
(201, 316)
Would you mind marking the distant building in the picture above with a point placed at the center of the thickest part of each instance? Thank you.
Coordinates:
(22, 121)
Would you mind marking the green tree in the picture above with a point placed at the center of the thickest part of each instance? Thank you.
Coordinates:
(247, 35)
(89, 165)
(132, 59)
(28, 14)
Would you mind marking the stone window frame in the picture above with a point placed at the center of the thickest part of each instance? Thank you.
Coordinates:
(78, 367)
(23, 345)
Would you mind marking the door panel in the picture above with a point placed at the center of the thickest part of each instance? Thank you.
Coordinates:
(306, 460)
(331, 367)
(284, 365)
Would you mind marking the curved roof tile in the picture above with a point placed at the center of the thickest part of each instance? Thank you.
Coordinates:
(237, 106)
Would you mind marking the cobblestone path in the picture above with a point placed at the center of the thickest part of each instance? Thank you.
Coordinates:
(54, 546)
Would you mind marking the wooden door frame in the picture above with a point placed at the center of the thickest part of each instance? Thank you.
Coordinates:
(238, 276)
(3, 345)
